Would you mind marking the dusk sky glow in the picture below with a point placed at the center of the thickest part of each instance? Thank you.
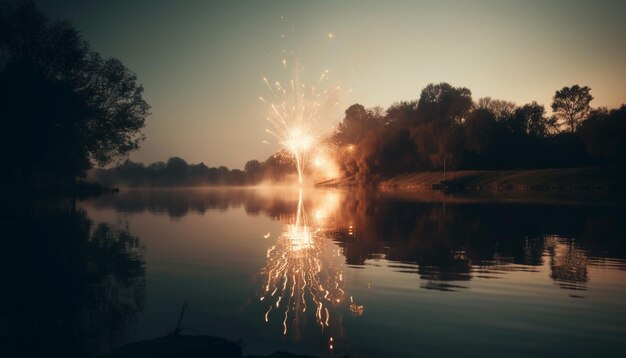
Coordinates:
(313, 178)
(202, 63)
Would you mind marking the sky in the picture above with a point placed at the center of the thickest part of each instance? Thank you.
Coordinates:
(202, 63)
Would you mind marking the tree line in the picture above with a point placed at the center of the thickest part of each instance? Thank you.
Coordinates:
(177, 172)
(445, 126)
(65, 109)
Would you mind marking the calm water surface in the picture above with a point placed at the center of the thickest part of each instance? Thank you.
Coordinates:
(321, 272)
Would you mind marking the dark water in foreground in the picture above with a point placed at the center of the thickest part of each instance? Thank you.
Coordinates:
(321, 272)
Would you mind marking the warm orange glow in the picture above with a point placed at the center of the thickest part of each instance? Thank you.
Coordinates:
(298, 140)
(301, 272)
(325, 166)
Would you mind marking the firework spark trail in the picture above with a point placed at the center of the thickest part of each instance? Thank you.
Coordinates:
(300, 273)
(294, 113)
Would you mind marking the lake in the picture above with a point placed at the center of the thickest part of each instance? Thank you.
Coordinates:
(325, 272)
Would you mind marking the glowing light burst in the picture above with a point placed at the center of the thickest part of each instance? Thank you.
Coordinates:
(295, 111)
(324, 164)
(303, 276)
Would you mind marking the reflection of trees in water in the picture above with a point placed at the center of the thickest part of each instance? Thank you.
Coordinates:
(568, 264)
(470, 238)
(178, 203)
(484, 240)
(68, 287)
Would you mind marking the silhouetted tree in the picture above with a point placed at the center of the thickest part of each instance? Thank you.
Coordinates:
(530, 119)
(278, 166)
(357, 122)
(384, 154)
(481, 129)
(131, 173)
(63, 108)
(441, 111)
(501, 109)
(604, 135)
(253, 170)
(236, 177)
(571, 105)
(197, 174)
(444, 103)
(402, 114)
(176, 171)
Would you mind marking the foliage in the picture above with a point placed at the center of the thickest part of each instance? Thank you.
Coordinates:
(373, 144)
(63, 108)
(444, 125)
(604, 135)
(571, 105)
(177, 172)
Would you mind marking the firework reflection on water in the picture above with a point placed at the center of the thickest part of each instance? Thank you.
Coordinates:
(303, 280)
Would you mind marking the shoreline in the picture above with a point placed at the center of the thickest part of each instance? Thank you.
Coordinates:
(566, 180)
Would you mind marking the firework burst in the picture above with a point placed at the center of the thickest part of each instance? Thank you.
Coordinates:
(295, 111)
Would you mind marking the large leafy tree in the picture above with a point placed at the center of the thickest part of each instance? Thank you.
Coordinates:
(530, 119)
(445, 104)
(571, 105)
(437, 133)
(356, 124)
(63, 108)
(604, 135)
(481, 128)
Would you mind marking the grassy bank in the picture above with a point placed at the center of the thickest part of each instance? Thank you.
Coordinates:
(569, 179)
